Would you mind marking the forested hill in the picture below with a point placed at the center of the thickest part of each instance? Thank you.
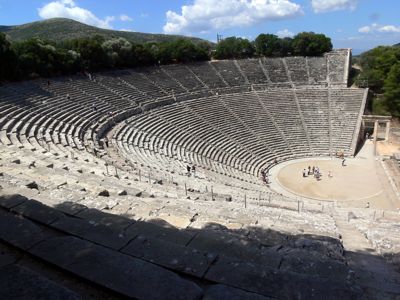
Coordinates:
(380, 71)
(60, 29)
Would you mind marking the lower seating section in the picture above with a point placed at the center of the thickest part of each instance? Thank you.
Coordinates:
(344, 105)
(315, 108)
(243, 133)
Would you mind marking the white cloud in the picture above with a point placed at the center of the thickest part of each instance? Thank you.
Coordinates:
(144, 15)
(364, 29)
(285, 33)
(125, 18)
(373, 28)
(69, 9)
(204, 15)
(320, 6)
(127, 29)
(389, 28)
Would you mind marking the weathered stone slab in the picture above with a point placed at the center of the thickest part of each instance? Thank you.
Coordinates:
(92, 231)
(37, 211)
(220, 291)
(119, 272)
(234, 246)
(70, 208)
(17, 282)
(112, 221)
(9, 201)
(279, 284)
(8, 255)
(170, 255)
(160, 231)
(307, 262)
(18, 231)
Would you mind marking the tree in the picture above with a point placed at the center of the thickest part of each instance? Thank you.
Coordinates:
(376, 65)
(7, 58)
(142, 55)
(92, 54)
(185, 51)
(37, 57)
(392, 90)
(119, 52)
(285, 47)
(311, 44)
(267, 45)
(233, 47)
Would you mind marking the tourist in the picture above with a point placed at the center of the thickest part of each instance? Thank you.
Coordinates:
(68, 97)
(309, 170)
(367, 206)
(313, 170)
(194, 170)
(304, 173)
(330, 174)
(343, 162)
(188, 169)
(317, 173)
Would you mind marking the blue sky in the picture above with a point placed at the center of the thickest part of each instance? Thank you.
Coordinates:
(357, 24)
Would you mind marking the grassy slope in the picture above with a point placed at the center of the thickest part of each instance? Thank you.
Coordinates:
(59, 29)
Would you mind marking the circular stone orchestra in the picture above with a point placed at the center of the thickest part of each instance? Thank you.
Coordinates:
(355, 180)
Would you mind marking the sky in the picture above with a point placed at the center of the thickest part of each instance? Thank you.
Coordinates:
(356, 24)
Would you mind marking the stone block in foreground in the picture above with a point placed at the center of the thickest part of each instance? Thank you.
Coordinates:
(121, 273)
(17, 282)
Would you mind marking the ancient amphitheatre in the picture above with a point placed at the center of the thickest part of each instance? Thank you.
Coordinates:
(97, 201)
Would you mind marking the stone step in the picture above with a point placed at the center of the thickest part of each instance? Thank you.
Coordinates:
(119, 272)
(17, 282)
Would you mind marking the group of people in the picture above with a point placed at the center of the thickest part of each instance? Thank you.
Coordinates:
(190, 170)
(264, 176)
(314, 171)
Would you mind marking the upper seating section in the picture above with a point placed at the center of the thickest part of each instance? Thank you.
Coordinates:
(276, 69)
(338, 66)
(253, 71)
(231, 96)
(229, 72)
(317, 67)
(297, 68)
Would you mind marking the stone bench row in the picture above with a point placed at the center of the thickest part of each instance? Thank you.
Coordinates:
(187, 252)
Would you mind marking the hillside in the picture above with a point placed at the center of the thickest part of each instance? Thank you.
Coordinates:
(59, 29)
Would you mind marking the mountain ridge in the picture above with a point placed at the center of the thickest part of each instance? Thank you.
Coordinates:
(61, 29)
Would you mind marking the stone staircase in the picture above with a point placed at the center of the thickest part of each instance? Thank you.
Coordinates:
(380, 280)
